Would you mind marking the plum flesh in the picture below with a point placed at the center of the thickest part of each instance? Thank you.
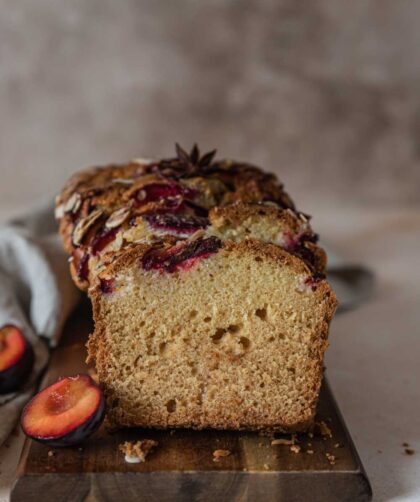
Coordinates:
(65, 413)
(16, 359)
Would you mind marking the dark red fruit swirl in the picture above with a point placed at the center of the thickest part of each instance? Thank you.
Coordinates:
(312, 282)
(83, 267)
(176, 223)
(172, 259)
(102, 239)
(296, 245)
(169, 192)
(106, 286)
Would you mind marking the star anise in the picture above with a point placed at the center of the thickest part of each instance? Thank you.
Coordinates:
(193, 162)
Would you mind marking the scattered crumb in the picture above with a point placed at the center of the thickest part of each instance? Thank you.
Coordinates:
(337, 445)
(244, 469)
(295, 448)
(172, 432)
(409, 451)
(331, 458)
(282, 441)
(322, 429)
(311, 434)
(136, 452)
(259, 445)
(309, 444)
(379, 451)
(80, 449)
(310, 452)
(406, 445)
(218, 454)
(266, 467)
(50, 453)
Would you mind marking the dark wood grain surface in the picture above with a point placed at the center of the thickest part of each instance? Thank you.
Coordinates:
(182, 467)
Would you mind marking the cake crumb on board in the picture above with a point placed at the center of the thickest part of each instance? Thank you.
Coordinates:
(218, 454)
(282, 441)
(322, 429)
(331, 458)
(136, 452)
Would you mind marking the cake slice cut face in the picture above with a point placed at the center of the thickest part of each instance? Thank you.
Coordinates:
(231, 339)
(210, 302)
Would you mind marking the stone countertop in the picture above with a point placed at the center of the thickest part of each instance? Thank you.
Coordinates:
(373, 361)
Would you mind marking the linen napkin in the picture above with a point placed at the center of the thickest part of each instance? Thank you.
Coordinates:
(36, 295)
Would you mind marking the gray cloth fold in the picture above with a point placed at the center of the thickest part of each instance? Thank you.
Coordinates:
(36, 295)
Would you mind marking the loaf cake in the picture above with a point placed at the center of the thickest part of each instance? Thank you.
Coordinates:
(209, 297)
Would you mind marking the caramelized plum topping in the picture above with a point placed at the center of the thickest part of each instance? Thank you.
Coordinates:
(179, 257)
(106, 286)
(101, 241)
(176, 224)
(163, 191)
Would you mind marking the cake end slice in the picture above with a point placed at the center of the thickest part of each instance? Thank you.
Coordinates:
(224, 335)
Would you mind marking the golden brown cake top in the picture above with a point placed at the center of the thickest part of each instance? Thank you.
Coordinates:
(157, 204)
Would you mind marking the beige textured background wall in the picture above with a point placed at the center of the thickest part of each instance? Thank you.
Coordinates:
(326, 92)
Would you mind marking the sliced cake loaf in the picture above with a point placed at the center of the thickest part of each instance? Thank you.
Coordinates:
(210, 303)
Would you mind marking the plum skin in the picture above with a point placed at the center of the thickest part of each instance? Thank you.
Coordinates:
(77, 435)
(74, 436)
(12, 378)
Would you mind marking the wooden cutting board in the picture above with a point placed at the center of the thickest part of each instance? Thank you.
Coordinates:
(182, 467)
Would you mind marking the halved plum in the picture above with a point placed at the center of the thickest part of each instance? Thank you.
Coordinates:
(16, 359)
(65, 413)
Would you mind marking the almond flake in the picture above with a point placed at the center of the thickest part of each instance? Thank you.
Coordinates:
(73, 204)
(123, 181)
(144, 162)
(118, 217)
(83, 226)
(59, 212)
